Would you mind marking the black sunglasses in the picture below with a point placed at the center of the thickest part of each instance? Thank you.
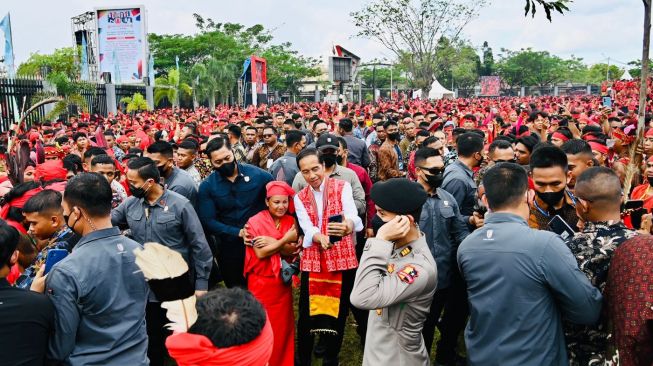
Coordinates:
(505, 161)
(432, 171)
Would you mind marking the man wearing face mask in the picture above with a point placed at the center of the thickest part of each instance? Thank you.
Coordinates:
(173, 178)
(159, 215)
(599, 196)
(390, 163)
(444, 228)
(327, 145)
(459, 181)
(549, 171)
(227, 199)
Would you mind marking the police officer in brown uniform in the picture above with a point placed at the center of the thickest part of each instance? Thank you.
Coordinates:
(396, 278)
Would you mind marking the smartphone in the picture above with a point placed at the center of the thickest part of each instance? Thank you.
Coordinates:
(607, 102)
(559, 226)
(54, 256)
(335, 218)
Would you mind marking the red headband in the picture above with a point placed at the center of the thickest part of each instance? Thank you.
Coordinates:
(197, 350)
(19, 202)
(598, 147)
(559, 136)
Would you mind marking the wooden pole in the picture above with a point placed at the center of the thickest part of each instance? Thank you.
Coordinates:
(635, 158)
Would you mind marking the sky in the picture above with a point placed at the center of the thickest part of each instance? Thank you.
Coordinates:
(593, 29)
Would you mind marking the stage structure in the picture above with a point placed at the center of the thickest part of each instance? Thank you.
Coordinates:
(85, 26)
(253, 83)
(343, 67)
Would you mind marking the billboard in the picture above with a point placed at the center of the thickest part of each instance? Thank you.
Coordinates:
(490, 86)
(122, 43)
(255, 81)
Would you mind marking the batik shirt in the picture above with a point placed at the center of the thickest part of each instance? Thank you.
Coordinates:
(450, 157)
(593, 249)
(60, 240)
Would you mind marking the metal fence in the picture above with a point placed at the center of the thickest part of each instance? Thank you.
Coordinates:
(15, 96)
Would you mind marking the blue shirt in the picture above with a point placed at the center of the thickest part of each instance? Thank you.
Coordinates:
(99, 295)
(225, 206)
(181, 182)
(459, 181)
(444, 230)
(521, 282)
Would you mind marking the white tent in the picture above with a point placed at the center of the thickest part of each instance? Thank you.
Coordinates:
(439, 92)
(626, 76)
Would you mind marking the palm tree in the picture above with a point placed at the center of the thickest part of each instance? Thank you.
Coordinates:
(204, 85)
(224, 75)
(168, 87)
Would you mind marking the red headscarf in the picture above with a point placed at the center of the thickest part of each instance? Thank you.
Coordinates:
(197, 350)
(280, 188)
(599, 147)
(18, 202)
(51, 169)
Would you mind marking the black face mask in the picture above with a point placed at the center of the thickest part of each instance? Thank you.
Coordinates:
(650, 180)
(339, 160)
(227, 169)
(551, 198)
(434, 180)
(138, 192)
(329, 160)
(65, 220)
(377, 223)
(394, 136)
(163, 170)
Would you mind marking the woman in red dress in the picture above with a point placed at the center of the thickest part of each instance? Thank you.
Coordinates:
(274, 237)
(644, 191)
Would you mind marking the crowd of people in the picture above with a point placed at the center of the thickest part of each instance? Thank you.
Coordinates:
(505, 220)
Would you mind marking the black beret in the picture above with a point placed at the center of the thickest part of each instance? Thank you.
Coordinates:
(399, 196)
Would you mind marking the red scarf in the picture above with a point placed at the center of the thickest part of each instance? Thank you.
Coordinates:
(262, 224)
(19, 202)
(342, 255)
(197, 350)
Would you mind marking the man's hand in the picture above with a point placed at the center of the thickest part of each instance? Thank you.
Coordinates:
(200, 293)
(476, 219)
(38, 284)
(394, 229)
(323, 240)
(647, 223)
(243, 234)
(291, 249)
(339, 228)
(369, 233)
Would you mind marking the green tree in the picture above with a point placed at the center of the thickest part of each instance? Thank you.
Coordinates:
(635, 68)
(136, 103)
(531, 68)
(487, 68)
(412, 31)
(169, 87)
(598, 73)
(556, 5)
(286, 68)
(379, 76)
(62, 60)
(465, 71)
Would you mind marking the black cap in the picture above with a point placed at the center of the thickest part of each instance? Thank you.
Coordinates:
(399, 196)
(327, 141)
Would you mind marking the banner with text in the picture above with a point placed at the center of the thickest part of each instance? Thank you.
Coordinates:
(122, 43)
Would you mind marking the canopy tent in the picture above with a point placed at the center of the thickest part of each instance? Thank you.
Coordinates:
(626, 76)
(439, 92)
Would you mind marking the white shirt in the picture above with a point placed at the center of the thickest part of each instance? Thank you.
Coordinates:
(348, 208)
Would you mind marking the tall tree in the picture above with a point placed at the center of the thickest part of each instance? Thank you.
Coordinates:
(549, 6)
(62, 60)
(412, 30)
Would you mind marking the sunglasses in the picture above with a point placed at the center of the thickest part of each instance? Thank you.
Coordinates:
(432, 171)
(505, 161)
(267, 135)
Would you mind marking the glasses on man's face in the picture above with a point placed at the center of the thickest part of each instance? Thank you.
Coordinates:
(267, 136)
(432, 171)
(505, 160)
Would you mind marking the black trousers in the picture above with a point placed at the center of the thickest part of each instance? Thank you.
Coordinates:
(155, 319)
(231, 260)
(305, 339)
(454, 319)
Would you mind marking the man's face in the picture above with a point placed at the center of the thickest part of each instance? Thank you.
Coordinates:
(577, 164)
(320, 128)
(110, 141)
(381, 133)
(468, 124)
(278, 120)
(301, 145)
(42, 225)
(185, 158)
(410, 130)
(418, 120)
(522, 154)
(269, 137)
(220, 157)
(615, 124)
(553, 179)
(135, 180)
(503, 155)
(185, 132)
(107, 170)
(648, 145)
(163, 163)
(392, 129)
(312, 171)
(599, 157)
(250, 136)
(649, 169)
(259, 129)
(431, 166)
(82, 142)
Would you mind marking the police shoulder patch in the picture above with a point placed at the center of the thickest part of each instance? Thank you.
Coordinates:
(408, 274)
(404, 252)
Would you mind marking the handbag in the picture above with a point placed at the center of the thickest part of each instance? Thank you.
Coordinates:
(288, 270)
